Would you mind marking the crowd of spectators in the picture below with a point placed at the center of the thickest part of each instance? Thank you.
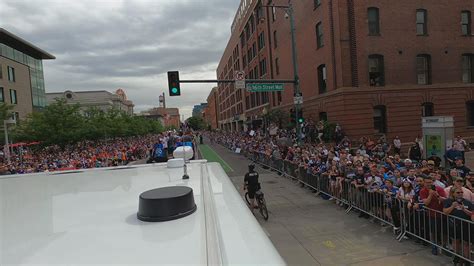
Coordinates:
(371, 165)
(85, 154)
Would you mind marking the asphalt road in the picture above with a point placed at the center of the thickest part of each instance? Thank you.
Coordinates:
(308, 230)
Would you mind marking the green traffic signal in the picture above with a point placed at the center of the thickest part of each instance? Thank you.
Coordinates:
(300, 120)
(173, 83)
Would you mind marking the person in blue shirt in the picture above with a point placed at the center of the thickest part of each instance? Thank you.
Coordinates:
(158, 154)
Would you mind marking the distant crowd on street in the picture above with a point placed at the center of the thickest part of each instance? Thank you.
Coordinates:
(93, 154)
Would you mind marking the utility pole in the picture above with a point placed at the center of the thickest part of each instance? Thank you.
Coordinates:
(296, 84)
(296, 80)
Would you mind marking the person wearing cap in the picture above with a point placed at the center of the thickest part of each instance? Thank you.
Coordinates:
(460, 167)
(414, 153)
(450, 155)
(458, 182)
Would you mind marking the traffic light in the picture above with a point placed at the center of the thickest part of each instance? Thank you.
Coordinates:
(173, 83)
(300, 116)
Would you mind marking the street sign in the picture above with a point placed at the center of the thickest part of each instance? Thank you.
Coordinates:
(239, 77)
(298, 100)
(259, 87)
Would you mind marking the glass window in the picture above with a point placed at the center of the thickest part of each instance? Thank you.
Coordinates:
(423, 69)
(322, 79)
(380, 119)
(421, 22)
(273, 13)
(13, 98)
(427, 109)
(2, 98)
(317, 3)
(470, 113)
(1, 72)
(319, 35)
(376, 70)
(275, 40)
(11, 74)
(323, 116)
(466, 22)
(467, 69)
(263, 67)
(373, 19)
(261, 41)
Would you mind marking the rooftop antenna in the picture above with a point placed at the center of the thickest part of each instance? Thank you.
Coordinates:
(185, 168)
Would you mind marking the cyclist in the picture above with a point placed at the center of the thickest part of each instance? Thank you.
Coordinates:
(251, 184)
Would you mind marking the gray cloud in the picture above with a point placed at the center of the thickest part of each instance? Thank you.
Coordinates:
(126, 44)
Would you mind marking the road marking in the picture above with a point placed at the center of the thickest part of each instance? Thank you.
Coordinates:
(329, 244)
(212, 150)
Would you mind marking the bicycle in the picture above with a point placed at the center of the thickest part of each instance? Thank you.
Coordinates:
(261, 204)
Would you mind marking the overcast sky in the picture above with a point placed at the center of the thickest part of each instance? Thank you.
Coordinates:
(129, 44)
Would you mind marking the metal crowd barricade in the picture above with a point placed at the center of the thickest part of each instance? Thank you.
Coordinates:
(439, 230)
(431, 226)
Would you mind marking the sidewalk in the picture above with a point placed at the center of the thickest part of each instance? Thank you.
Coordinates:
(307, 230)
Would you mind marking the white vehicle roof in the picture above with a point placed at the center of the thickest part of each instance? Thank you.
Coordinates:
(90, 217)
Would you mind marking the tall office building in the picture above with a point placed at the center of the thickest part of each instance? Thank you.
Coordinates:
(21, 74)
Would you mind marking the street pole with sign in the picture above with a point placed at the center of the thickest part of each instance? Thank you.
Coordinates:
(296, 85)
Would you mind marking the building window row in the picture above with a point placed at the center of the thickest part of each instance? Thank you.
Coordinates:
(13, 97)
(373, 20)
(423, 69)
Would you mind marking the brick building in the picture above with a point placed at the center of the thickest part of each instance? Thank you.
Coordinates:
(211, 109)
(373, 66)
(168, 117)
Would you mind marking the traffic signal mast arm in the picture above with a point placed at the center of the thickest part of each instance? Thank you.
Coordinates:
(232, 81)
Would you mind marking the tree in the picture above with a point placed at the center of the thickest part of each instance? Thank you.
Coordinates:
(196, 123)
(278, 117)
(62, 124)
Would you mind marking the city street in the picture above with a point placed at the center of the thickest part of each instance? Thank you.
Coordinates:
(308, 230)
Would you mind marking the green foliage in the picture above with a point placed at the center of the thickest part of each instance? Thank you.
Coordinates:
(329, 131)
(61, 123)
(196, 123)
(278, 117)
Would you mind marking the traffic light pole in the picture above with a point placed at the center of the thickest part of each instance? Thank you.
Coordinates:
(296, 81)
(296, 84)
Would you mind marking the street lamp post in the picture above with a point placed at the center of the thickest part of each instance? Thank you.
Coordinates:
(296, 83)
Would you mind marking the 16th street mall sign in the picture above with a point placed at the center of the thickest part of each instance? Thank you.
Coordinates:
(259, 87)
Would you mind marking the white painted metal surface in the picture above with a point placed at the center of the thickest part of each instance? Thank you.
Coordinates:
(90, 218)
